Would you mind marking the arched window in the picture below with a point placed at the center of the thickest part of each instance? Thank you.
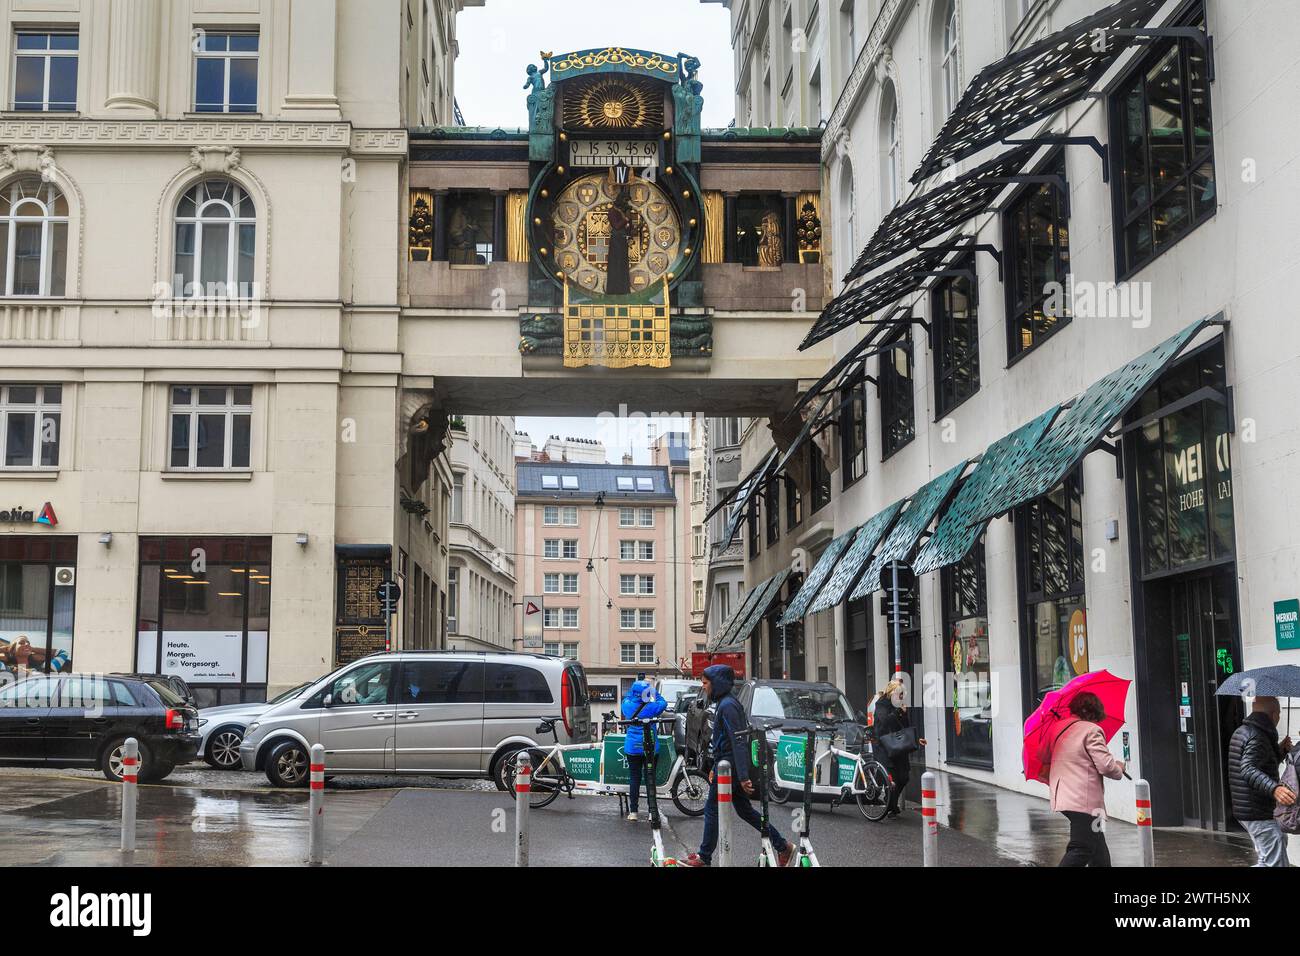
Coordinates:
(33, 237)
(216, 230)
(848, 206)
(950, 65)
(892, 147)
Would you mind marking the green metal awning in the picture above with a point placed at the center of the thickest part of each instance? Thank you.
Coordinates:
(742, 496)
(816, 578)
(925, 504)
(846, 570)
(960, 526)
(736, 617)
(766, 593)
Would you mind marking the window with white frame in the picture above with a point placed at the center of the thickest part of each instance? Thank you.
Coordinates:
(551, 648)
(645, 584)
(627, 517)
(571, 548)
(211, 427)
(453, 600)
(645, 517)
(697, 541)
(950, 62)
(627, 653)
(570, 584)
(33, 237)
(627, 550)
(225, 72)
(645, 550)
(551, 514)
(551, 548)
(569, 482)
(646, 619)
(550, 482)
(697, 488)
(550, 617)
(216, 235)
(570, 617)
(627, 619)
(646, 654)
(571, 649)
(893, 142)
(458, 499)
(627, 584)
(645, 484)
(30, 423)
(550, 584)
(569, 516)
(45, 71)
(697, 596)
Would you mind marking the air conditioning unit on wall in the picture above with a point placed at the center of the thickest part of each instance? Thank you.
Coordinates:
(65, 577)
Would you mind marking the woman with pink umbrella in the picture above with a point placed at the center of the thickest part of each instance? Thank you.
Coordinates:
(1065, 747)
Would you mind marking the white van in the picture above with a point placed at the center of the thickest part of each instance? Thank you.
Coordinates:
(442, 713)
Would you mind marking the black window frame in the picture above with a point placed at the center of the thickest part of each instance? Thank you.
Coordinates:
(948, 363)
(772, 509)
(897, 394)
(853, 430)
(1013, 267)
(953, 610)
(819, 478)
(751, 526)
(793, 504)
(1125, 265)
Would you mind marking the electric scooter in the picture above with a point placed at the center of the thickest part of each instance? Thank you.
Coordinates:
(760, 757)
(807, 856)
(648, 747)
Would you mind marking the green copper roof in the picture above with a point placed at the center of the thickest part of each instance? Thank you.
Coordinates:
(1081, 426)
(809, 134)
(467, 132)
(925, 504)
(816, 578)
(846, 570)
(961, 525)
(766, 593)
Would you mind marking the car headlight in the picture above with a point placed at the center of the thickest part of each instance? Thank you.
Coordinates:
(252, 727)
(202, 721)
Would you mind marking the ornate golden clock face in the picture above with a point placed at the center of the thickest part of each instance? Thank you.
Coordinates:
(598, 222)
(616, 103)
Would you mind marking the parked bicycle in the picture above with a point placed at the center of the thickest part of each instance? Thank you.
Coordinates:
(835, 771)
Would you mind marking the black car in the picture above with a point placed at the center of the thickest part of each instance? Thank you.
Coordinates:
(83, 720)
(177, 684)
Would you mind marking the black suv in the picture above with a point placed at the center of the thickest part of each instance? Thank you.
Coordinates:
(83, 720)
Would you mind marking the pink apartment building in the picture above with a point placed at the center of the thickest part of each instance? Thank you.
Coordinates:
(608, 547)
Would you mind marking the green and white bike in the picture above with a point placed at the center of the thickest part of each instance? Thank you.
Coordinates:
(833, 771)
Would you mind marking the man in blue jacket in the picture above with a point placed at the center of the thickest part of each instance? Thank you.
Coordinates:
(730, 743)
(641, 701)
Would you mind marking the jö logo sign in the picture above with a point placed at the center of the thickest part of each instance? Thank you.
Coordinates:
(21, 515)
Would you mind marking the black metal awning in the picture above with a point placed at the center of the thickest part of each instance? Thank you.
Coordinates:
(859, 304)
(739, 499)
(756, 605)
(940, 210)
(1036, 82)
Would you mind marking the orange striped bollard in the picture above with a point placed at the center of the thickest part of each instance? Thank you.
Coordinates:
(523, 793)
(1146, 837)
(316, 806)
(725, 815)
(929, 820)
(130, 776)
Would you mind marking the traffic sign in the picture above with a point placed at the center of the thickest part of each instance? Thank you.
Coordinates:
(388, 593)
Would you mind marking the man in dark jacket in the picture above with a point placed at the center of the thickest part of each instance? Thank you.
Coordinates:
(730, 743)
(1253, 758)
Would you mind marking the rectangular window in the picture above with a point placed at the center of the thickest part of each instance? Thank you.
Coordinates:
(953, 307)
(551, 548)
(570, 617)
(645, 584)
(569, 515)
(897, 400)
(627, 584)
(627, 550)
(1049, 533)
(966, 660)
(470, 228)
(550, 617)
(45, 71)
(458, 499)
(1161, 127)
(647, 654)
(624, 482)
(211, 427)
(31, 419)
(853, 430)
(627, 619)
(1036, 240)
(819, 477)
(37, 602)
(627, 517)
(571, 548)
(645, 550)
(751, 526)
(225, 72)
(697, 488)
(697, 541)
(627, 653)
(453, 600)
(569, 482)
(571, 649)
(645, 517)
(759, 228)
(793, 505)
(551, 648)
(551, 482)
(550, 514)
(697, 596)
(645, 484)
(646, 619)
(772, 509)
(570, 584)
(550, 584)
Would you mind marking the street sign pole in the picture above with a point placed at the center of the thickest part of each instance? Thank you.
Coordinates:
(898, 624)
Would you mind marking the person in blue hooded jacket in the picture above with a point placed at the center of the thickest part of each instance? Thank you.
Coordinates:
(730, 743)
(641, 701)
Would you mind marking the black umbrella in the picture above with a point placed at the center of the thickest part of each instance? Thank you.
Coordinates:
(1277, 680)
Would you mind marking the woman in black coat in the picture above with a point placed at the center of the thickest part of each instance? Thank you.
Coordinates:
(891, 716)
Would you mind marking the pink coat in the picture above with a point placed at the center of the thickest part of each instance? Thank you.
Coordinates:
(1080, 758)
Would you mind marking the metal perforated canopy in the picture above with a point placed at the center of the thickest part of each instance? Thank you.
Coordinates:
(864, 301)
(907, 530)
(961, 525)
(816, 578)
(938, 211)
(859, 552)
(764, 595)
(740, 497)
(1033, 83)
(738, 615)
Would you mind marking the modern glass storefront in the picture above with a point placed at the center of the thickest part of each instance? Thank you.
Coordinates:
(205, 614)
(968, 684)
(38, 590)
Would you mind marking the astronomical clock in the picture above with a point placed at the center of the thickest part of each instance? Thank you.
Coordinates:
(614, 212)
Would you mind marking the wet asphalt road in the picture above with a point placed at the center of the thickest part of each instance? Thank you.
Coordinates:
(202, 817)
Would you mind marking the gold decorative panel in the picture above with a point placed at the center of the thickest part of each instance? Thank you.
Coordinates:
(617, 334)
(517, 225)
(613, 102)
(714, 216)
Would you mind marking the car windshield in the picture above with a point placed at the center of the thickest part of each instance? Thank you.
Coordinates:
(167, 693)
(291, 692)
(801, 703)
(671, 688)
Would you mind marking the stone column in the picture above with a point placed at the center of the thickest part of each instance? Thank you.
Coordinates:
(133, 54)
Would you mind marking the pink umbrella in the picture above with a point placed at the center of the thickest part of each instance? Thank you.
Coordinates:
(1053, 714)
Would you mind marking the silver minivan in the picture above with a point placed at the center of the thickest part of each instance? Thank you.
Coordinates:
(442, 713)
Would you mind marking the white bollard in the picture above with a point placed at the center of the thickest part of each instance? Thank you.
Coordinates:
(316, 806)
(929, 821)
(725, 814)
(523, 789)
(130, 776)
(1146, 836)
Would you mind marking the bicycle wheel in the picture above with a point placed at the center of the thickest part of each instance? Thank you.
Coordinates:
(873, 800)
(691, 791)
(776, 793)
(547, 779)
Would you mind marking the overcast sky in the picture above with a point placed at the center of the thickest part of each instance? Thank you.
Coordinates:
(499, 40)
